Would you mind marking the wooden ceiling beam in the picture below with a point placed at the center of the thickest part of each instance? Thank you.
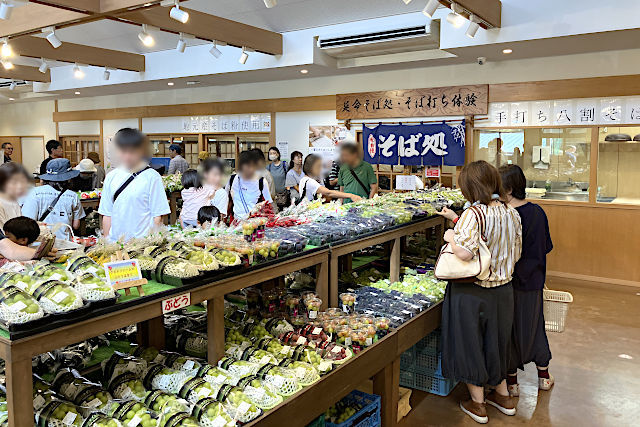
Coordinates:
(490, 11)
(89, 6)
(22, 72)
(209, 27)
(37, 47)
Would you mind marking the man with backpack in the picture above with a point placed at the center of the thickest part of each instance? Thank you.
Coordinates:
(245, 188)
(356, 176)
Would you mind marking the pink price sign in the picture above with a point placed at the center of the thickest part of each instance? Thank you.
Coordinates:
(118, 272)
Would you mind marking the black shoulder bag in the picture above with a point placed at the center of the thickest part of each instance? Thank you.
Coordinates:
(51, 206)
(127, 182)
(366, 190)
(302, 195)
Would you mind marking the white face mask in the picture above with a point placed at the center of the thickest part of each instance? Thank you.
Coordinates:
(273, 157)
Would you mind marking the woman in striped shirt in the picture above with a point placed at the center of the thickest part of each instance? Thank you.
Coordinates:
(477, 317)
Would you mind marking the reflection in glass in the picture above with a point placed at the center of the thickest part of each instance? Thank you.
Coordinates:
(618, 160)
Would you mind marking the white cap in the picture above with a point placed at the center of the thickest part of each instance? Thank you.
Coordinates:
(86, 165)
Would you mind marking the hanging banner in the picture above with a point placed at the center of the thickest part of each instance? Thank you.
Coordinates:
(424, 144)
(432, 102)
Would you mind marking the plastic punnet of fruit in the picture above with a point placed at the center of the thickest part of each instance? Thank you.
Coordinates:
(211, 413)
(334, 352)
(17, 306)
(343, 335)
(313, 307)
(93, 288)
(237, 404)
(159, 377)
(58, 413)
(55, 296)
(226, 258)
(348, 301)
(127, 386)
(261, 394)
(120, 363)
(93, 399)
(160, 402)
(100, 420)
(81, 264)
(305, 372)
(283, 380)
(132, 413)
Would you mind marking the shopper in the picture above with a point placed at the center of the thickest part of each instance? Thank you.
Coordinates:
(8, 151)
(356, 176)
(332, 179)
(245, 188)
(261, 169)
(477, 318)
(294, 175)
(194, 196)
(22, 230)
(98, 179)
(177, 164)
(529, 342)
(133, 198)
(14, 184)
(278, 170)
(208, 216)
(213, 173)
(86, 179)
(54, 148)
(310, 187)
(54, 202)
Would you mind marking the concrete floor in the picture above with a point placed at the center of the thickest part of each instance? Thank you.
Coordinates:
(596, 365)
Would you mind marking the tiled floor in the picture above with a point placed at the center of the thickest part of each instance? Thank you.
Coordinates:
(596, 363)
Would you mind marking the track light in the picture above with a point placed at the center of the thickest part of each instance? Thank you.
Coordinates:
(43, 66)
(6, 51)
(454, 18)
(215, 51)
(5, 10)
(178, 14)
(406, 1)
(244, 56)
(273, 3)
(430, 8)
(107, 74)
(182, 45)
(7, 65)
(77, 72)
(146, 38)
(51, 37)
(12, 86)
(473, 26)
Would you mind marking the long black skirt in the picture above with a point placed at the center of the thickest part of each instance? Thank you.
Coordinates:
(529, 342)
(476, 333)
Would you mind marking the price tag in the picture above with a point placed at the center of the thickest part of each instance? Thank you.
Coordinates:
(313, 314)
(265, 360)
(69, 418)
(369, 341)
(301, 340)
(219, 422)
(316, 331)
(59, 297)
(22, 285)
(324, 365)
(134, 421)
(347, 341)
(243, 407)
(123, 271)
(91, 269)
(55, 276)
(336, 349)
(17, 306)
(189, 364)
(285, 349)
(354, 274)
(38, 402)
(176, 303)
(94, 403)
(203, 392)
(300, 372)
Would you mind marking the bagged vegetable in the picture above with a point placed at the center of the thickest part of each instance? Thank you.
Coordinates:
(17, 306)
(211, 413)
(283, 380)
(261, 393)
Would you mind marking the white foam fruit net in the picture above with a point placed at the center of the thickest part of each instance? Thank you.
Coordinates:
(261, 393)
(17, 306)
(165, 379)
(238, 368)
(283, 380)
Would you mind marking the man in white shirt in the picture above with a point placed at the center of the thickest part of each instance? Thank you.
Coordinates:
(133, 197)
(177, 164)
(245, 188)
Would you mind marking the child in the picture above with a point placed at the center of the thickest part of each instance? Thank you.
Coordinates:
(309, 186)
(14, 184)
(133, 198)
(53, 202)
(208, 215)
(194, 196)
(245, 189)
(22, 231)
(212, 172)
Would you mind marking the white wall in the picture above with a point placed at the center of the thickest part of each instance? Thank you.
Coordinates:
(88, 127)
(294, 127)
(34, 146)
(109, 128)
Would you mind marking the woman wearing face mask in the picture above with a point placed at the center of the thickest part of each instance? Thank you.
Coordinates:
(278, 170)
(294, 175)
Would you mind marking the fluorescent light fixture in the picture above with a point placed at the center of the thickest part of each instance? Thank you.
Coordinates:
(7, 65)
(507, 51)
(304, 71)
(273, 3)
(244, 56)
(107, 74)
(178, 14)
(77, 93)
(430, 8)
(5, 10)
(473, 27)
(77, 72)
(170, 84)
(51, 37)
(215, 51)
(6, 51)
(43, 66)
(182, 45)
(145, 37)
(12, 86)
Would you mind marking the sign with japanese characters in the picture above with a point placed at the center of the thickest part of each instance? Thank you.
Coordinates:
(424, 144)
(432, 102)
(234, 123)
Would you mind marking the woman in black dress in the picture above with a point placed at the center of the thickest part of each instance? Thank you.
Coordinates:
(529, 342)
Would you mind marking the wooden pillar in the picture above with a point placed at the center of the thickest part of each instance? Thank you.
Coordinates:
(173, 205)
(439, 230)
(215, 329)
(394, 260)
(386, 384)
(333, 280)
(151, 333)
(322, 283)
(19, 382)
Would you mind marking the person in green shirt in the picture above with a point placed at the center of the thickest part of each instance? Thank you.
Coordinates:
(352, 163)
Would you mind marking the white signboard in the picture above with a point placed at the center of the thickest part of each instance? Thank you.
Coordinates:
(283, 146)
(405, 182)
(233, 123)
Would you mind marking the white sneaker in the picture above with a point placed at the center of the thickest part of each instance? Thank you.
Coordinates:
(514, 390)
(545, 383)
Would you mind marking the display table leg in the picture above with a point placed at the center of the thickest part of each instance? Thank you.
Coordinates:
(386, 384)
(151, 333)
(439, 230)
(333, 281)
(322, 283)
(215, 329)
(173, 205)
(394, 260)
(19, 392)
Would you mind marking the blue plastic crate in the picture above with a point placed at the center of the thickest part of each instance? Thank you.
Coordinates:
(431, 342)
(428, 361)
(408, 357)
(368, 416)
(406, 378)
(428, 382)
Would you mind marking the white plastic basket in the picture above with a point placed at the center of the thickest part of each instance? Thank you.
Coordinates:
(556, 308)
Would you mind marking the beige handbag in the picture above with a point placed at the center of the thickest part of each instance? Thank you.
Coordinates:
(450, 267)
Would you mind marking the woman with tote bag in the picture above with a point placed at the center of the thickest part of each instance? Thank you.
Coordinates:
(477, 315)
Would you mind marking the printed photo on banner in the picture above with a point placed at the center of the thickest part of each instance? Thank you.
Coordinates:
(324, 141)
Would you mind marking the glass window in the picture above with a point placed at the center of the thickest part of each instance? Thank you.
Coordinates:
(618, 160)
(554, 160)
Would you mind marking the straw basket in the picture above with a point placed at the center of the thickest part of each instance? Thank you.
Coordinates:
(556, 308)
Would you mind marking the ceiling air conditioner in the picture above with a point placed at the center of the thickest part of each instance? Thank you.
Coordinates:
(383, 42)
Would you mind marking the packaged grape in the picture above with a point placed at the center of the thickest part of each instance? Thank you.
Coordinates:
(260, 393)
(59, 413)
(237, 404)
(93, 288)
(132, 413)
(17, 306)
(193, 389)
(343, 335)
(54, 296)
(276, 326)
(93, 399)
(69, 382)
(187, 364)
(283, 380)
(313, 332)
(120, 363)
(177, 419)
(273, 346)
(292, 303)
(333, 312)
(215, 375)
(234, 336)
(127, 386)
(334, 352)
(100, 420)
(313, 307)
(305, 372)
(255, 331)
(348, 301)
(44, 271)
(159, 377)
(147, 263)
(205, 261)
(211, 413)
(226, 258)
(193, 344)
(173, 270)
(257, 356)
(160, 402)
(293, 338)
(370, 334)
(148, 354)
(82, 264)
(305, 295)
(237, 368)
(382, 325)
(299, 320)
(311, 356)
